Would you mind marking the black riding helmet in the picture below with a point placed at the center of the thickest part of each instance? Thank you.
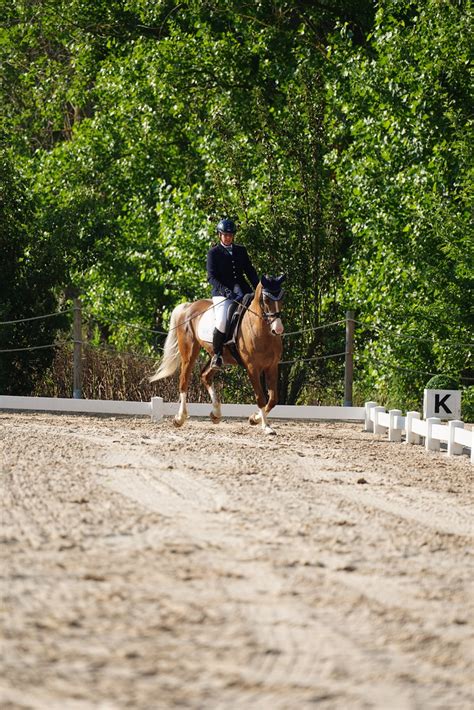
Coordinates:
(226, 225)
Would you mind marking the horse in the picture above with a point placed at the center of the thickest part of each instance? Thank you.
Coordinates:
(258, 342)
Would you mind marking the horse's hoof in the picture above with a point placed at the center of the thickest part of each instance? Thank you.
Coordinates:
(268, 430)
(252, 420)
(178, 422)
(215, 419)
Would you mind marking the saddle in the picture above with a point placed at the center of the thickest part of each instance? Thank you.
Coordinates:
(234, 319)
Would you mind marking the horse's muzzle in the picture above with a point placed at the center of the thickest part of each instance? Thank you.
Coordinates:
(277, 327)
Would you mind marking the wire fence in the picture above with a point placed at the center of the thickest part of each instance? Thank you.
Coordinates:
(362, 326)
(409, 336)
(31, 318)
(32, 347)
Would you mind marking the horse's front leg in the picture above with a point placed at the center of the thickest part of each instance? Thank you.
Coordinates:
(261, 415)
(271, 380)
(207, 377)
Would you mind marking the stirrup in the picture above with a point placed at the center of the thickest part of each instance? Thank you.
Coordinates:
(216, 361)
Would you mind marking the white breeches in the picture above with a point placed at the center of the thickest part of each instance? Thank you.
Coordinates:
(221, 306)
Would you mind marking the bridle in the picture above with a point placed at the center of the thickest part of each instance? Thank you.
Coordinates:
(270, 316)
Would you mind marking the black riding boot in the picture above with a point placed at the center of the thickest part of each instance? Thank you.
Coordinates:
(218, 344)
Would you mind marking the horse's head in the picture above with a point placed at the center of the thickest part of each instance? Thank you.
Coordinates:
(272, 296)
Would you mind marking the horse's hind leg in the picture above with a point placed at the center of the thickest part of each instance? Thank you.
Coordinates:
(189, 352)
(182, 415)
(207, 377)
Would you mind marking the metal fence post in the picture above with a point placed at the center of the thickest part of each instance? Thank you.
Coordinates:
(77, 361)
(349, 360)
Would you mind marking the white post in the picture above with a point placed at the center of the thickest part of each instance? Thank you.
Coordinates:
(378, 429)
(156, 409)
(394, 434)
(411, 438)
(369, 425)
(432, 444)
(453, 448)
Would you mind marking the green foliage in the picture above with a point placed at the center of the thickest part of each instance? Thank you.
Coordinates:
(442, 382)
(339, 138)
(29, 271)
(401, 130)
(467, 404)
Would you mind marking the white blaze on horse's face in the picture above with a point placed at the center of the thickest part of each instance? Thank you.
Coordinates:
(273, 308)
(277, 326)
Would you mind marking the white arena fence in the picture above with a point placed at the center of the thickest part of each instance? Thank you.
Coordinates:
(376, 418)
(417, 430)
(157, 408)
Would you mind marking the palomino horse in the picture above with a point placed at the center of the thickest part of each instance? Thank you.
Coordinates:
(258, 344)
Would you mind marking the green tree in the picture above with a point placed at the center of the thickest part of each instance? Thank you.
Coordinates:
(343, 155)
(29, 273)
(402, 134)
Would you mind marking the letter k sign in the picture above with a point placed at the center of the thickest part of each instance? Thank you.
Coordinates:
(445, 404)
(440, 402)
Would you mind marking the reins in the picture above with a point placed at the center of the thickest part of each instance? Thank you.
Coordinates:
(266, 316)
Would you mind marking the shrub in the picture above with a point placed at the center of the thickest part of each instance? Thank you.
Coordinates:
(442, 382)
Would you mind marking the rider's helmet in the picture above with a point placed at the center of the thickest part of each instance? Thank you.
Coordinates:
(226, 225)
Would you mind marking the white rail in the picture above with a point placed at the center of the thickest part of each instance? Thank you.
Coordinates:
(158, 409)
(377, 420)
(85, 406)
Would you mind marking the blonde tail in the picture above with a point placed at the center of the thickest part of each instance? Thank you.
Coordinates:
(171, 357)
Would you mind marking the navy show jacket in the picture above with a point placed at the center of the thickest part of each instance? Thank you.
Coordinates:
(226, 272)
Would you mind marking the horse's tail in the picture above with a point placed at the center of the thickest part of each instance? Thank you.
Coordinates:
(171, 357)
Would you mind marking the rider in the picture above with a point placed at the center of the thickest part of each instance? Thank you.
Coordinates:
(227, 263)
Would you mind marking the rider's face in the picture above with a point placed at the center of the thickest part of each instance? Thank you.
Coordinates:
(226, 238)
